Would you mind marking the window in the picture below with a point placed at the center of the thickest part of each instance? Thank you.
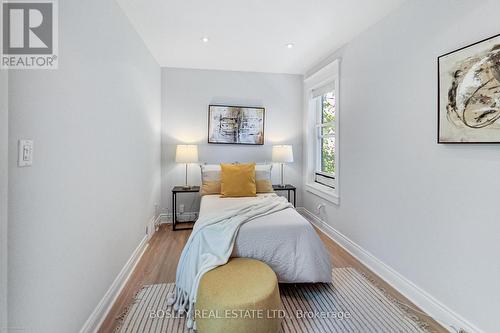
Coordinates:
(325, 136)
(321, 91)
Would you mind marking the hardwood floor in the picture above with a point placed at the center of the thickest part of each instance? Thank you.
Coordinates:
(159, 263)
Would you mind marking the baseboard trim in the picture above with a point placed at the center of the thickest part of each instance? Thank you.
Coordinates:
(441, 313)
(101, 311)
(165, 218)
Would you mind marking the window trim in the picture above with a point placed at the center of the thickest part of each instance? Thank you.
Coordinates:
(325, 175)
(327, 75)
(323, 192)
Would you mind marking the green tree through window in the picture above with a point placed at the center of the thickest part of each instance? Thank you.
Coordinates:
(328, 133)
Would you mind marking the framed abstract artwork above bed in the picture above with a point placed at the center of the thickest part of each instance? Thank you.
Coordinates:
(235, 125)
(469, 94)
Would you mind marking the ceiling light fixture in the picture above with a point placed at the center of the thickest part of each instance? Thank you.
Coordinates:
(204, 39)
(289, 45)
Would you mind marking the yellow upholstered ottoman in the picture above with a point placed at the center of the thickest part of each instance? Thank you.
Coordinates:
(241, 296)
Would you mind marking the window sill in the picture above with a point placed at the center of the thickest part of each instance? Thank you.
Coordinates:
(323, 192)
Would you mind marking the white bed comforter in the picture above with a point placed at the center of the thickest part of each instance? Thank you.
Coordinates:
(284, 240)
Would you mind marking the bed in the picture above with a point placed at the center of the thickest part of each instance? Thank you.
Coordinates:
(284, 240)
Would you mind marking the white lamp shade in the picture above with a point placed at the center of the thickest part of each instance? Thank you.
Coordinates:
(283, 154)
(186, 154)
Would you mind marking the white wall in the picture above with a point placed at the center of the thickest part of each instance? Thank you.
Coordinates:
(429, 211)
(78, 213)
(3, 195)
(186, 95)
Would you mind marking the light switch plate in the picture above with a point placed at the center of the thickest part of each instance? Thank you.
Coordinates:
(25, 153)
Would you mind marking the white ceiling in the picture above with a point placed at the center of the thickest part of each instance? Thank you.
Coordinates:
(250, 35)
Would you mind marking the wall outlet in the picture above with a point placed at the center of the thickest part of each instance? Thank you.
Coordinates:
(181, 208)
(319, 207)
(25, 153)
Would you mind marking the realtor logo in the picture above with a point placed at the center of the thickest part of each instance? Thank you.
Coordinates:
(29, 34)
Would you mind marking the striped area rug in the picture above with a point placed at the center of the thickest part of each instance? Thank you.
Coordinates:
(350, 304)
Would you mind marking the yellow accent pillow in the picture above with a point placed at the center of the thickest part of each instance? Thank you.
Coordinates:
(210, 179)
(238, 180)
(263, 178)
(263, 186)
(210, 187)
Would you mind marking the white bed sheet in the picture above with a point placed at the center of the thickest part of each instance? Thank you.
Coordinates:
(284, 240)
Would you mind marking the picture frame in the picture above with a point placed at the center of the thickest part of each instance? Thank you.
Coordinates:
(469, 94)
(233, 124)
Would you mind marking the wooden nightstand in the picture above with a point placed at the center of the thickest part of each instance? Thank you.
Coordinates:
(175, 191)
(288, 188)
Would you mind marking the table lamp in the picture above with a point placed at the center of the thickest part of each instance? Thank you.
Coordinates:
(282, 154)
(186, 154)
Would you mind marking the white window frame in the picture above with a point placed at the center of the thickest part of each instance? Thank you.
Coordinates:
(319, 125)
(325, 76)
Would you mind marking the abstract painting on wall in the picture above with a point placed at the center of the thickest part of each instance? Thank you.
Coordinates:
(469, 94)
(236, 125)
